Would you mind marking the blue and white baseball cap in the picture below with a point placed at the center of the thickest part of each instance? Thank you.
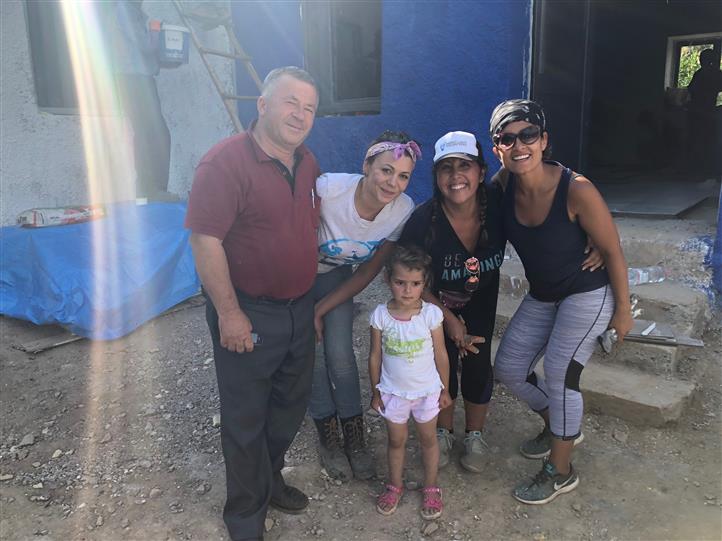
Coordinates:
(456, 144)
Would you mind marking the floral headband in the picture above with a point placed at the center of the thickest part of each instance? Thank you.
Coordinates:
(410, 148)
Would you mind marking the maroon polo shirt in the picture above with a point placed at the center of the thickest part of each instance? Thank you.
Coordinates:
(269, 231)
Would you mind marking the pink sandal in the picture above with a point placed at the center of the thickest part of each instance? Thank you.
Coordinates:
(387, 502)
(433, 505)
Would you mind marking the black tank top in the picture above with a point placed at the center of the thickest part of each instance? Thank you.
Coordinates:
(552, 252)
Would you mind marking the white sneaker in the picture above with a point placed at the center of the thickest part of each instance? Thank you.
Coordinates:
(475, 447)
(446, 442)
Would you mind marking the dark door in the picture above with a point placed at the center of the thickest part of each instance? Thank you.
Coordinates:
(560, 71)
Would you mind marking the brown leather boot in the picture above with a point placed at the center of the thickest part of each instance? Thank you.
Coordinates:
(359, 455)
(331, 451)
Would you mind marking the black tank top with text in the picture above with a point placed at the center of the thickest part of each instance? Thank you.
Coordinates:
(552, 252)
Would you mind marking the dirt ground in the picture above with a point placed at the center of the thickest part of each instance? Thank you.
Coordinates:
(115, 441)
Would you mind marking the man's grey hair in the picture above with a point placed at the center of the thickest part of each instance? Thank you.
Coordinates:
(269, 83)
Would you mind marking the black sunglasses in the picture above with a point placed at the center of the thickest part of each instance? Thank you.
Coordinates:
(527, 136)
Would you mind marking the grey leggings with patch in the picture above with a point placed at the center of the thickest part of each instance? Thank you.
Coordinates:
(565, 333)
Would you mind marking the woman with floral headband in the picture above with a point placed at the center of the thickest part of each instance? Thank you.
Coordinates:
(362, 216)
(460, 228)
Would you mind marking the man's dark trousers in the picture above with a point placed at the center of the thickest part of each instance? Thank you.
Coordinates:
(264, 395)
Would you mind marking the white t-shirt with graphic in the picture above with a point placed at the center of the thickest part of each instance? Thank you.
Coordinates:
(408, 369)
(344, 238)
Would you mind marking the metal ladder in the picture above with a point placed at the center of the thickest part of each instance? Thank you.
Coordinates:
(208, 16)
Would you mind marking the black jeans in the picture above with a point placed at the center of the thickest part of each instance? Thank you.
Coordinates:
(264, 395)
(151, 137)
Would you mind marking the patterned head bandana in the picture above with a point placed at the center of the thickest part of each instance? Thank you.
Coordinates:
(410, 148)
(515, 110)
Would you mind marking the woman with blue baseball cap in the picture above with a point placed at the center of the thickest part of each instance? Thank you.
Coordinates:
(549, 212)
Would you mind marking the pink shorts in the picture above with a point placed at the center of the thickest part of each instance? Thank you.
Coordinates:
(397, 408)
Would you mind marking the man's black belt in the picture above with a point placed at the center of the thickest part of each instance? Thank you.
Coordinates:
(268, 300)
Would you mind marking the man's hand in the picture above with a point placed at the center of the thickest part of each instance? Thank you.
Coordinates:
(235, 329)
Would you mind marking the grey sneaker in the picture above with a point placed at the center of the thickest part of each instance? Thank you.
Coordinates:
(446, 442)
(474, 449)
(541, 445)
(546, 485)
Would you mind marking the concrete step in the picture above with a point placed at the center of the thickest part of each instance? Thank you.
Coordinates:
(685, 309)
(636, 397)
(682, 247)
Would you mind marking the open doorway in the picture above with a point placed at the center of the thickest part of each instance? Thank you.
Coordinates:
(613, 77)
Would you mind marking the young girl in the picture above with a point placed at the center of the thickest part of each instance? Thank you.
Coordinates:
(409, 374)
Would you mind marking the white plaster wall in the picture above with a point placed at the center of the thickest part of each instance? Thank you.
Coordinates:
(42, 163)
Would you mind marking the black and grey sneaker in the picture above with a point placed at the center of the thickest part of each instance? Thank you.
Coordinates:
(546, 485)
(541, 445)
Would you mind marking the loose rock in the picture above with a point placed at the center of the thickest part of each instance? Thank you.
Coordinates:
(28, 439)
(202, 488)
(429, 528)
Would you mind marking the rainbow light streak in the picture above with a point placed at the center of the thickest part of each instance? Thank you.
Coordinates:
(110, 173)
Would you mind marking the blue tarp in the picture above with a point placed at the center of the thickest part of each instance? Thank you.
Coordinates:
(99, 279)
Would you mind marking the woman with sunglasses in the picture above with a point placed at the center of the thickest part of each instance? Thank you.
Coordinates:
(362, 216)
(460, 228)
(549, 212)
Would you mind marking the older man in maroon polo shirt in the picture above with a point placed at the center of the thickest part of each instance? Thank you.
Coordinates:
(254, 213)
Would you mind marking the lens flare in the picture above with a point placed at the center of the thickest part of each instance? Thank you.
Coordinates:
(110, 177)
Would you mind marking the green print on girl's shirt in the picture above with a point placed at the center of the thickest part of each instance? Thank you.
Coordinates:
(393, 345)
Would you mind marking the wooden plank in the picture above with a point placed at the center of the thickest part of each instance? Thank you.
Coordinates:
(49, 342)
(662, 334)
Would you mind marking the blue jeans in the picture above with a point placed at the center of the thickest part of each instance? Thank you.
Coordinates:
(336, 388)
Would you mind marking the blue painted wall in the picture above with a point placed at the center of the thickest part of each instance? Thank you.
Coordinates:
(445, 64)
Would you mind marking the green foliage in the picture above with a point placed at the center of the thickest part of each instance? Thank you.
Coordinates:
(689, 63)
